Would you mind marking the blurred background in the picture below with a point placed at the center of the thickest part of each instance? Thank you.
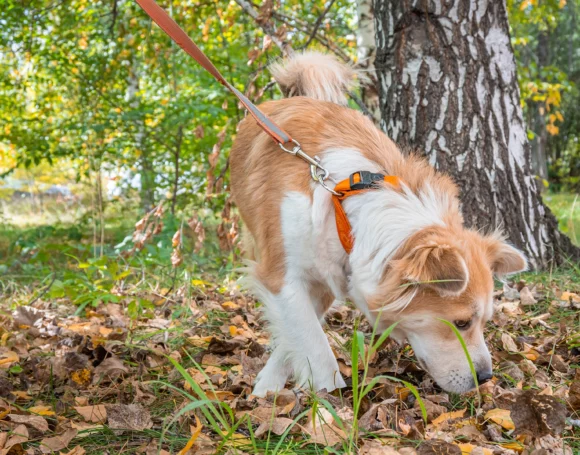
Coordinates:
(105, 123)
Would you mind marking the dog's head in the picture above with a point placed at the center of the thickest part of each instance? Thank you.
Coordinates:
(445, 273)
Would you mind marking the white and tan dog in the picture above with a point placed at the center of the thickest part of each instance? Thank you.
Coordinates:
(412, 259)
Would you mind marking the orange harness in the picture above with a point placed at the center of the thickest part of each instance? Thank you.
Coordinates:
(357, 183)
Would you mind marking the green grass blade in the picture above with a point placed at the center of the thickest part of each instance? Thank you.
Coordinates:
(465, 351)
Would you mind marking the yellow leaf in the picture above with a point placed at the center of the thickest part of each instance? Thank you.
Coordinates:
(233, 330)
(21, 395)
(81, 377)
(501, 417)
(466, 449)
(8, 358)
(230, 305)
(513, 446)
(41, 410)
(567, 296)
(195, 432)
(448, 416)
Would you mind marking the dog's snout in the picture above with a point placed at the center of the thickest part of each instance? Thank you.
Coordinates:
(484, 376)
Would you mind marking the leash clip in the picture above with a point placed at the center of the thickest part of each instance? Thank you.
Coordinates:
(318, 173)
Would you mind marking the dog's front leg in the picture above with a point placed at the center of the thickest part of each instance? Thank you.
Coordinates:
(300, 343)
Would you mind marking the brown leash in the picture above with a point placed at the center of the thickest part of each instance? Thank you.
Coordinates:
(176, 33)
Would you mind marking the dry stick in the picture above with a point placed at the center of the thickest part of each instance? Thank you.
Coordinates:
(268, 29)
(287, 49)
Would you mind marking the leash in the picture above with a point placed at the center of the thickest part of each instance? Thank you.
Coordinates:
(357, 183)
(176, 33)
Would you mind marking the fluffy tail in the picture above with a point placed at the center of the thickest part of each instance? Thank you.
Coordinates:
(314, 75)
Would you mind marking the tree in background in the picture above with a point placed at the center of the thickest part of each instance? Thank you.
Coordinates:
(545, 39)
(448, 87)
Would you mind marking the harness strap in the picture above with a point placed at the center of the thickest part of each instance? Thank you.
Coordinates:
(176, 33)
(359, 182)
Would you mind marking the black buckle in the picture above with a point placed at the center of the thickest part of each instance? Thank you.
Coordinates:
(367, 180)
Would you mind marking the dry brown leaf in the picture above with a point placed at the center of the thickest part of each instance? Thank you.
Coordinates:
(526, 297)
(78, 450)
(19, 436)
(501, 417)
(508, 343)
(57, 443)
(37, 422)
(93, 414)
(320, 429)
(375, 447)
(277, 425)
(128, 417)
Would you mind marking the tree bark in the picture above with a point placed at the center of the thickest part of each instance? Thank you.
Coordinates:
(448, 87)
(366, 51)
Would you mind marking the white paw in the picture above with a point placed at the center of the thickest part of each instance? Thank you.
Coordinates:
(330, 382)
(268, 383)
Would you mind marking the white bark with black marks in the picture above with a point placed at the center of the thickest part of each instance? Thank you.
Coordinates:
(448, 88)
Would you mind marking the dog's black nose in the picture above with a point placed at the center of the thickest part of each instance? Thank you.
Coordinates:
(483, 377)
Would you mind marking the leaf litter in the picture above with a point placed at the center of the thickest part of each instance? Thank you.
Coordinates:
(103, 382)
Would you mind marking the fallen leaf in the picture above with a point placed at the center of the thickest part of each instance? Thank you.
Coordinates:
(37, 422)
(41, 410)
(570, 297)
(467, 449)
(111, 367)
(502, 417)
(78, 450)
(195, 432)
(526, 297)
(7, 359)
(128, 417)
(93, 414)
(508, 343)
(538, 415)
(19, 436)
(57, 443)
(277, 425)
(26, 315)
(438, 447)
(448, 416)
(375, 447)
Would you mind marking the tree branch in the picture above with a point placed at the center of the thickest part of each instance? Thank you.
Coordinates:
(318, 23)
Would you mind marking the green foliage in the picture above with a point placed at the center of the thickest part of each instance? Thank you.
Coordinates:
(545, 38)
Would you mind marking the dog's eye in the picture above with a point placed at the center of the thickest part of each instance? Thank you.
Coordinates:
(463, 324)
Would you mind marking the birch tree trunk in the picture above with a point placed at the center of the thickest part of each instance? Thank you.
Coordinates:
(366, 51)
(448, 87)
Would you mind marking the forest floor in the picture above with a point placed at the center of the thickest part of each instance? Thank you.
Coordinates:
(111, 355)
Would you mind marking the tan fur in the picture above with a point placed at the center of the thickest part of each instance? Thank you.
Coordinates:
(314, 75)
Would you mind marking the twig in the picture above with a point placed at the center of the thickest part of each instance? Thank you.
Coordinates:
(361, 105)
(318, 23)
(268, 28)
(44, 291)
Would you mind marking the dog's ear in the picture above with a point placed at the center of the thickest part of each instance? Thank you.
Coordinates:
(437, 265)
(504, 258)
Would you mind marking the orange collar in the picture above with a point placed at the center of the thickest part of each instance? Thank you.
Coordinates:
(359, 182)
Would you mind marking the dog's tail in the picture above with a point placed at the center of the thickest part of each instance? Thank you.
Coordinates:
(314, 75)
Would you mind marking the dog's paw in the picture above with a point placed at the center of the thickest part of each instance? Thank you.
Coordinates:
(330, 383)
(265, 384)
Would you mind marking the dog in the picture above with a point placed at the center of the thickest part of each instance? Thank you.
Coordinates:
(412, 260)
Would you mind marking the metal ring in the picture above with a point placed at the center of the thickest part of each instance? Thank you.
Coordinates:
(294, 150)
